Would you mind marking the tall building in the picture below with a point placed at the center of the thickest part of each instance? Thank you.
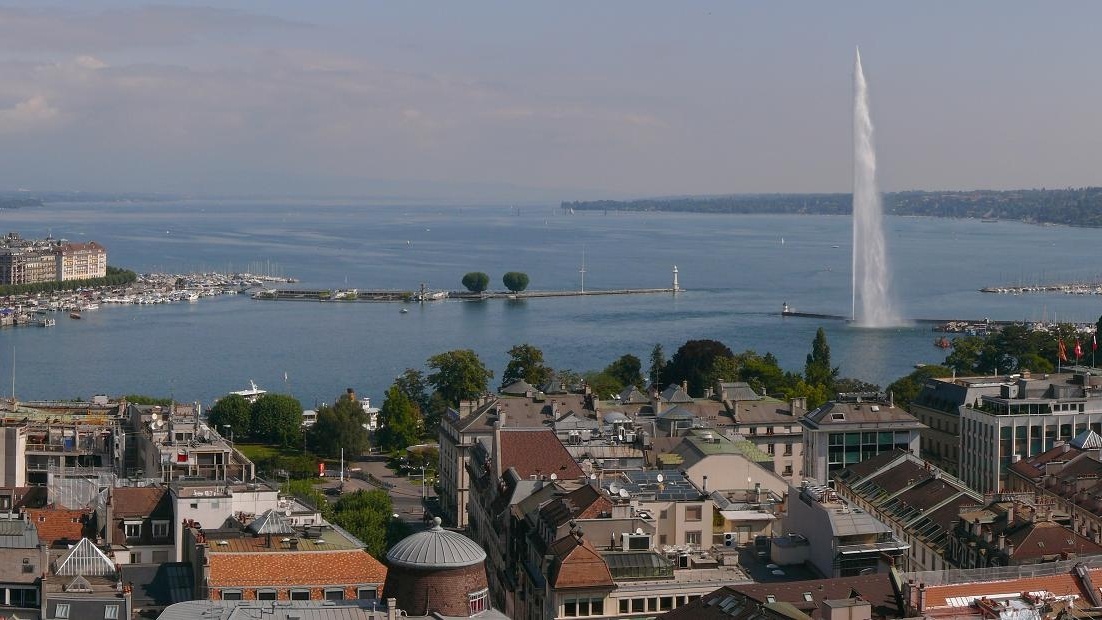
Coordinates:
(854, 428)
(80, 261)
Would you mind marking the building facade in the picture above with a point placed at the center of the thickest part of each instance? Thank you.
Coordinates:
(855, 428)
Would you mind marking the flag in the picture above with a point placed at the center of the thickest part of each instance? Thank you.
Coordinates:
(1062, 351)
(1094, 342)
(1078, 349)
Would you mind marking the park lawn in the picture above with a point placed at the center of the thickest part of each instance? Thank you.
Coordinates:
(256, 452)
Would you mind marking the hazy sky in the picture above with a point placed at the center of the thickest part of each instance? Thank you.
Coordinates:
(519, 101)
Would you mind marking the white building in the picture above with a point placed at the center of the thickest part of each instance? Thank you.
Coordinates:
(854, 428)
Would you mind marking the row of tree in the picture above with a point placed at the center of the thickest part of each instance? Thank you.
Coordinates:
(273, 419)
(478, 282)
(115, 277)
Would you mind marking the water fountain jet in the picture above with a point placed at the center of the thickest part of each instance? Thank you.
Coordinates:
(873, 303)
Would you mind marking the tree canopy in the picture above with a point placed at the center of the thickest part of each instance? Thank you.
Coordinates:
(657, 364)
(277, 420)
(458, 375)
(367, 515)
(398, 427)
(526, 362)
(515, 281)
(476, 281)
(340, 426)
(233, 411)
(817, 370)
(904, 389)
(694, 362)
(627, 370)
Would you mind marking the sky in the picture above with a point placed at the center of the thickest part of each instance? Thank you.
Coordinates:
(519, 102)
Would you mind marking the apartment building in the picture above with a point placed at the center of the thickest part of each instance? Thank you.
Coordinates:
(80, 261)
(854, 428)
(1070, 475)
(937, 407)
(772, 425)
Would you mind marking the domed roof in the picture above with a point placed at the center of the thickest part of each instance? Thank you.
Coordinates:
(435, 548)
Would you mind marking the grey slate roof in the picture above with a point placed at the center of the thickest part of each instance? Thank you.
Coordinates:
(273, 610)
(631, 394)
(159, 585)
(18, 534)
(674, 394)
(676, 413)
(518, 388)
(435, 548)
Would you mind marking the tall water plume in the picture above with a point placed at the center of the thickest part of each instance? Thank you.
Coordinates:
(873, 305)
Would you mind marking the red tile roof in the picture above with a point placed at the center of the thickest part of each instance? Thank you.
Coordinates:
(537, 452)
(60, 525)
(578, 565)
(128, 502)
(294, 569)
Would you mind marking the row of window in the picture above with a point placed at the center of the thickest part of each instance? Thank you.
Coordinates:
(300, 594)
(134, 529)
(654, 603)
(110, 612)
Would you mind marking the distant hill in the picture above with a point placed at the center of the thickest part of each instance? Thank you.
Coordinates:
(1072, 206)
(15, 202)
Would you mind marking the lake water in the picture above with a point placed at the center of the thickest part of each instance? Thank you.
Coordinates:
(737, 271)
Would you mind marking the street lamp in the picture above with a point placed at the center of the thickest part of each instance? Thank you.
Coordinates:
(422, 483)
(230, 429)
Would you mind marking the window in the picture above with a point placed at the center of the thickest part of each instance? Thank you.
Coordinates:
(665, 603)
(266, 595)
(333, 594)
(160, 529)
(300, 595)
(366, 594)
(693, 513)
(582, 607)
(111, 612)
(652, 603)
(477, 601)
(788, 449)
(624, 605)
(231, 595)
(195, 505)
(62, 610)
(637, 605)
(133, 529)
(692, 538)
(788, 470)
(771, 449)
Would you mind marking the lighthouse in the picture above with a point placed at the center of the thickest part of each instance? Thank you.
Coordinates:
(676, 286)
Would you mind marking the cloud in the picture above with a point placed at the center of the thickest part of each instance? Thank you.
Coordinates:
(28, 114)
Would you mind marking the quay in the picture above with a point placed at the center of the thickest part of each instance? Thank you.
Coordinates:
(939, 325)
(1066, 289)
(325, 295)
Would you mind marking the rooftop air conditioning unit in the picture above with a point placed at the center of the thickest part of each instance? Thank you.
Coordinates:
(635, 542)
(730, 539)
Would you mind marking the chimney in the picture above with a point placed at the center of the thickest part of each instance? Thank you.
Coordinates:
(1065, 448)
(685, 385)
(921, 596)
(1010, 513)
(976, 528)
(391, 609)
(1002, 542)
(704, 487)
(1009, 549)
(497, 448)
(351, 394)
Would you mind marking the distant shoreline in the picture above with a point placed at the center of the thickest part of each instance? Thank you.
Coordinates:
(1080, 207)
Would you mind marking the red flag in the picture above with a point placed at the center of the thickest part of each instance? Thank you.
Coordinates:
(1094, 342)
(1078, 349)
(1062, 351)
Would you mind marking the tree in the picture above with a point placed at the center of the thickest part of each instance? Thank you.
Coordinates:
(694, 362)
(476, 281)
(397, 421)
(603, 384)
(851, 385)
(413, 384)
(142, 399)
(459, 375)
(526, 362)
(232, 411)
(276, 420)
(515, 281)
(340, 426)
(817, 370)
(628, 370)
(657, 364)
(904, 389)
(367, 515)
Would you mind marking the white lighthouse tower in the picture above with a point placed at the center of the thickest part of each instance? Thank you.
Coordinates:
(676, 286)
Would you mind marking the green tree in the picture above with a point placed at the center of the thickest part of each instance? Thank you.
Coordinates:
(904, 389)
(657, 364)
(603, 384)
(723, 369)
(433, 414)
(276, 420)
(851, 385)
(817, 370)
(340, 426)
(413, 384)
(367, 515)
(694, 362)
(526, 362)
(232, 411)
(458, 375)
(398, 426)
(628, 370)
(763, 373)
(515, 281)
(476, 281)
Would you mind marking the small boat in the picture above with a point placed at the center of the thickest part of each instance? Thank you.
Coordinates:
(48, 322)
(943, 343)
(74, 315)
(404, 311)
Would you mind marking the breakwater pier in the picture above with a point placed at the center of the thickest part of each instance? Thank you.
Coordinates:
(354, 295)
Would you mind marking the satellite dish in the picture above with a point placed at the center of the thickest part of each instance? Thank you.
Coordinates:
(554, 476)
(624, 493)
(660, 477)
(592, 476)
(614, 488)
(638, 530)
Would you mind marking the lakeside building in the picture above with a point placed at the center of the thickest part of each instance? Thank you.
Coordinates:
(842, 540)
(854, 428)
(937, 405)
(1070, 475)
(25, 261)
(1026, 418)
(918, 501)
